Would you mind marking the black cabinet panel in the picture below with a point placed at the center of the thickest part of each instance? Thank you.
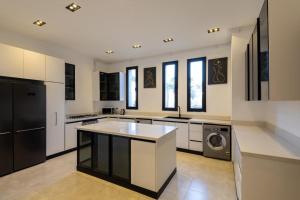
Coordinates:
(85, 149)
(70, 81)
(6, 137)
(6, 153)
(121, 158)
(29, 148)
(264, 51)
(101, 153)
(29, 106)
(109, 86)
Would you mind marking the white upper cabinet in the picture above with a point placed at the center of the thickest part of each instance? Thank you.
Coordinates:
(11, 61)
(34, 65)
(55, 69)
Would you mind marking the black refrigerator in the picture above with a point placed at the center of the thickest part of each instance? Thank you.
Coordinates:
(22, 124)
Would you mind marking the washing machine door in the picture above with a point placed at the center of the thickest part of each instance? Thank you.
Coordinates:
(216, 141)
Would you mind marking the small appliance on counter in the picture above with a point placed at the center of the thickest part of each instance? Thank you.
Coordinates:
(122, 111)
(108, 110)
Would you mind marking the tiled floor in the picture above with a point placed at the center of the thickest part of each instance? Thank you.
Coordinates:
(197, 178)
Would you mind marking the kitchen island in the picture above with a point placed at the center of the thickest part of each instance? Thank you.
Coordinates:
(141, 157)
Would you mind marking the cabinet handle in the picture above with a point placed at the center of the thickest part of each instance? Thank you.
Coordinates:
(4, 133)
(55, 118)
(32, 129)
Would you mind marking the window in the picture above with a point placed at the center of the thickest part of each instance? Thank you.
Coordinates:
(196, 85)
(170, 85)
(132, 87)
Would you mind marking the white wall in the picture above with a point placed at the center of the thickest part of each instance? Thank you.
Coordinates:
(242, 109)
(84, 67)
(150, 100)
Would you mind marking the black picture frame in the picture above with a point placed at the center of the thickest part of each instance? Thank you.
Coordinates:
(217, 71)
(150, 77)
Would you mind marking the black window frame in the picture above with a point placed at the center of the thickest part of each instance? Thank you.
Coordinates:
(137, 88)
(164, 64)
(189, 61)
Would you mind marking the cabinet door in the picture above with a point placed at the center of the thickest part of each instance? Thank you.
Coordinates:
(101, 153)
(55, 93)
(71, 135)
(196, 132)
(11, 61)
(85, 149)
(55, 69)
(121, 158)
(182, 135)
(144, 151)
(34, 65)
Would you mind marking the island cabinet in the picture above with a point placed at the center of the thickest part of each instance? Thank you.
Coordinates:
(140, 157)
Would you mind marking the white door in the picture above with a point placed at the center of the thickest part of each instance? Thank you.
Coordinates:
(55, 117)
(34, 65)
(182, 135)
(71, 135)
(55, 69)
(11, 61)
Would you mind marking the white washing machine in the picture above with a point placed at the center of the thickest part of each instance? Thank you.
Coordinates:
(217, 141)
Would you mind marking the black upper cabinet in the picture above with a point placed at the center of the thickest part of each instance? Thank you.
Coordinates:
(70, 81)
(109, 86)
(257, 60)
(264, 51)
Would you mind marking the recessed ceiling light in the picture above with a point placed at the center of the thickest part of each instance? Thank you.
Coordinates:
(39, 23)
(212, 30)
(109, 52)
(168, 40)
(136, 46)
(73, 7)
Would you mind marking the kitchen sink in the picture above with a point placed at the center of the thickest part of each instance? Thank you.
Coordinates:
(173, 117)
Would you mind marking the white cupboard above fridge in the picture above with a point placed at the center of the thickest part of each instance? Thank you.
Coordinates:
(34, 65)
(11, 61)
(55, 69)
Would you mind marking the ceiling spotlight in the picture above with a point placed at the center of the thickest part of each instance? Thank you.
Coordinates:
(109, 52)
(168, 40)
(39, 23)
(212, 30)
(73, 7)
(136, 46)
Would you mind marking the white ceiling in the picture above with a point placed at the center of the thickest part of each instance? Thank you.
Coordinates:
(118, 24)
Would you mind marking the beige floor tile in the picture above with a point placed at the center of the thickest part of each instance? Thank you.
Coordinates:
(197, 177)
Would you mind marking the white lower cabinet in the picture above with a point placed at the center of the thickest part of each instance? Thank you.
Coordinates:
(196, 137)
(182, 133)
(55, 93)
(71, 135)
(143, 173)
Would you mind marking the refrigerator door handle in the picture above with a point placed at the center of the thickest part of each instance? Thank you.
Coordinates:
(32, 129)
(5, 133)
(55, 118)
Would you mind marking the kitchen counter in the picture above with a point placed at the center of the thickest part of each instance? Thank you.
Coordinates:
(132, 130)
(162, 118)
(260, 142)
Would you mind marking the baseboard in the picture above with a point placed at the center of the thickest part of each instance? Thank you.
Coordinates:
(61, 153)
(189, 151)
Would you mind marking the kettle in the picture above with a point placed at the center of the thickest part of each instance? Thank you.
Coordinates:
(122, 111)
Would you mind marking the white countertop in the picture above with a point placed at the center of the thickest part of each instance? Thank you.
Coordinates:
(132, 130)
(257, 141)
(193, 120)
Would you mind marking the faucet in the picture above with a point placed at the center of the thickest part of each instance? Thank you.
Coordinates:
(179, 111)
